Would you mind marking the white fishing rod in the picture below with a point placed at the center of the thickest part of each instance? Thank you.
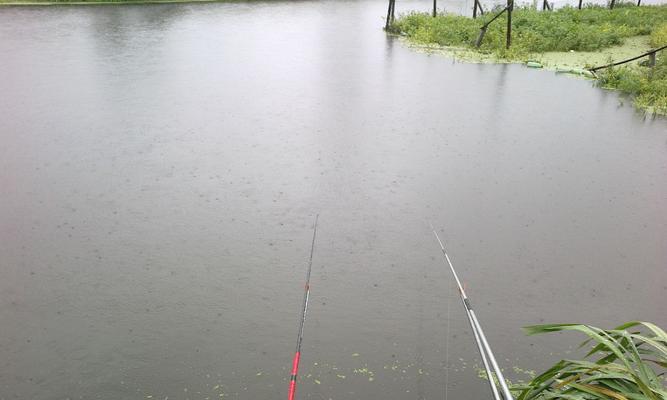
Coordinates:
(482, 344)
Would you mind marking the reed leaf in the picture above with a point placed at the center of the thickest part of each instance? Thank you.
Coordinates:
(621, 365)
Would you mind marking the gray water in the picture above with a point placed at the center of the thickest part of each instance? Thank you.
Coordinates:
(161, 166)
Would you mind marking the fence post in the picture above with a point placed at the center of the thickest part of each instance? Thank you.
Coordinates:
(651, 60)
(639, 3)
(434, 7)
(581, 1)
(386, 24)
(611, 4)
(510, 6)
(474, 9)
(391, 16)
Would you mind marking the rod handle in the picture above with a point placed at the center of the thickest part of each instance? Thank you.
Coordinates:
(292, 378)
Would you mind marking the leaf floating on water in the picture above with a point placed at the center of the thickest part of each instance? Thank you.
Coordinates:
(216, 387)
(371, 379)
(150, 396)
(355, 355)
(259, 373)
(340, 376)
(317, 381)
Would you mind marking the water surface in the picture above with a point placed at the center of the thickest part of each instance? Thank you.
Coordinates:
(161, 166)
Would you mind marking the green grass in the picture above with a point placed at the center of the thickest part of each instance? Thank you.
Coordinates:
(592, 28)
(648, 86)
(659, 36)
(624, 363)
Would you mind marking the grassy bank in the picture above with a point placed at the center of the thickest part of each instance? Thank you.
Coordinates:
(565, 38)
(648, 86)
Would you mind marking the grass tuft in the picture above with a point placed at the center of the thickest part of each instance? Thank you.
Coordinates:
(647, 85)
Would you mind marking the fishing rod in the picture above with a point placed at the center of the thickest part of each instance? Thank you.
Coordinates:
(304, 309)
(480, 338)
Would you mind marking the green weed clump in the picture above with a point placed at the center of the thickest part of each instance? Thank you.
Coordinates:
(647, 85)
(624, 363)
(659, 36)
(589, 29)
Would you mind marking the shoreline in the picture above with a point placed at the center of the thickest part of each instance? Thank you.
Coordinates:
(574, 64)
(557, 61)
(566, 40)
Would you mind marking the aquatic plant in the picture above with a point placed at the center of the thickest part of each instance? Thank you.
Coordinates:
(630, 364)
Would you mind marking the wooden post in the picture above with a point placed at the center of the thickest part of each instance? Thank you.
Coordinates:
(611, 4)
(510, 6)
(386, 25)
(434, 8)
(482, 32)
(651, 60)
(581, 1)
(393, 10)
(639, 3)
(474, 9)
(544, 5)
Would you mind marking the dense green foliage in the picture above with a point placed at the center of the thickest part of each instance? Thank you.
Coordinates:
(589, 29)
(630, 364)
(659, 36)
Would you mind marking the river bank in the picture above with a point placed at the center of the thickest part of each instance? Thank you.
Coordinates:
(566, 40)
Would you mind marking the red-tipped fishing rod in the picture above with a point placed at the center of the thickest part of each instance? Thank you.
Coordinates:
(480, 339)
(304, 309)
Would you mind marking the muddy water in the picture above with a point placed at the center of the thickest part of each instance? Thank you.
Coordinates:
(161, 166)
